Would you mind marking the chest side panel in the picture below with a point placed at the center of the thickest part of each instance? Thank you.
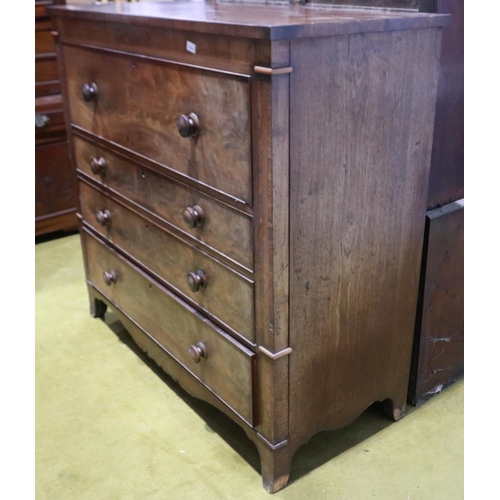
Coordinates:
(362, 110)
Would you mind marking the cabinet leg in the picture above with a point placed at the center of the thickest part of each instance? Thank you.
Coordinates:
(275, 466)
(395, 410)
(97, 307)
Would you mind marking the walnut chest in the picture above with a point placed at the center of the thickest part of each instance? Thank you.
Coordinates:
(253, 183)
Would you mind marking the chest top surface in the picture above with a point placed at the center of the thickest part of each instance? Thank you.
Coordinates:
(252, 20)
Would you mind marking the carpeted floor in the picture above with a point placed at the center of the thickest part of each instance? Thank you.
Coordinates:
(110, 426)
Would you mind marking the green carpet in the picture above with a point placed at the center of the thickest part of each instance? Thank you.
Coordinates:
(110, 426)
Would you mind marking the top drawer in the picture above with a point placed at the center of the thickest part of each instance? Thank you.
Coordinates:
(139, 102)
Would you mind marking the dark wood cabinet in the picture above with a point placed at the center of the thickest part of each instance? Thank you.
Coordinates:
(55, 188)
(252, 184)
(446, 188)
(412, 5)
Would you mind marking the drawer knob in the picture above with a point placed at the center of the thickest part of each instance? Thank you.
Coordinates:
(193, 216)
(196, 280)
(97, 165)
(103, 217)
(109, 277)
(90, 92)
(188, 125)
(197, 352)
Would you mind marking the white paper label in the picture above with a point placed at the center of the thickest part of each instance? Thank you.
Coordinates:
(191, 47)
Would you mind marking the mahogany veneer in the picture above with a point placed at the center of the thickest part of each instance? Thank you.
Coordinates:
(438, 352)
(253, 183)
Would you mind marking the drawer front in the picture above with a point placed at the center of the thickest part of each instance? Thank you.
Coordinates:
(139, 102)
(223, 229)
(55, 187)
(227, 368)
(46, 70)
(214, 287)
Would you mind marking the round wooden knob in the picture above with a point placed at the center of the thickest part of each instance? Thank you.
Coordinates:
(197, 352)
(103, 217)
(193, 216)
(109, 277)
(97, 165)
(90, 92)
(188, 125)
(196, 280)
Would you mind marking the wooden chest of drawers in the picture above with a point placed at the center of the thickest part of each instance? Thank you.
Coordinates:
(253, 188)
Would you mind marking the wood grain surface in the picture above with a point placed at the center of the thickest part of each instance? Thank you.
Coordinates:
(54, 129)
(55, 190)
(140, 102)
(65, 220)
(360, 156)
(438, 352)
(189, 382)
(225, 230)
(226, 53)
(227, 295)
(228, 367)
(312, 172)
(270, 132)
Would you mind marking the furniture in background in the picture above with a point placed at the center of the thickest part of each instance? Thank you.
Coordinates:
(439, 340)
(252, 183)
(438, 355)
(55, 188)
(412, 5)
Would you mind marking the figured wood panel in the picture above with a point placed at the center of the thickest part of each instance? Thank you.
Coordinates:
(361, 137)
(227, 370)
(227, 295)
(224, 229)
(446, 182)
(438, 352)
(140, 101)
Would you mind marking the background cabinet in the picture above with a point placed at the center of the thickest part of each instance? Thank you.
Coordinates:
(442, 259)
(55, 190)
